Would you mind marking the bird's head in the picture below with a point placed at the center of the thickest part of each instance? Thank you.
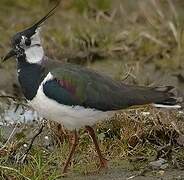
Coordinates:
(26, 45)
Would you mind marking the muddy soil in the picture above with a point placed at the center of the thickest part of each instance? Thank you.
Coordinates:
(121, 174)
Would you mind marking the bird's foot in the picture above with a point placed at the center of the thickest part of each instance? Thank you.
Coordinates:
(64, 174)
(102, 167)
(65, 171)
(103, 164)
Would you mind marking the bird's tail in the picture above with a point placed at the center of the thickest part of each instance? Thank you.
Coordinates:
(171, 99)
(166, 96)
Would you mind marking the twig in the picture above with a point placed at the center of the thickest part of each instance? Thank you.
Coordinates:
(8, 96)
(127, 75)
(15, 99)
(31, 144)
(22, 104)
(9, 137)
(12, 97)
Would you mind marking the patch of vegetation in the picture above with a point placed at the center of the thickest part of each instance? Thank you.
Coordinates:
(130, 140)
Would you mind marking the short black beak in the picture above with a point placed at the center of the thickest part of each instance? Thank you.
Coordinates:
(30, 31)
(10, 54)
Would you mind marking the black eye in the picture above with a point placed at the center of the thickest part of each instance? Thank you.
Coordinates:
(27, 42)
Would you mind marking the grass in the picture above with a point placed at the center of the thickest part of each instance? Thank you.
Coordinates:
(125, 39)
(130, 140)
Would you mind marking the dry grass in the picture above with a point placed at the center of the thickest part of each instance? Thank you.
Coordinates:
(131, 140)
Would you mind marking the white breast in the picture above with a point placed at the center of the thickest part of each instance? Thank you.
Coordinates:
(72, 117)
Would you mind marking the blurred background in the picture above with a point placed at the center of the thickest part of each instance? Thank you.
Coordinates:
(138, 42)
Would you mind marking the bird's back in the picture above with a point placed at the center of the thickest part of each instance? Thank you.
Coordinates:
(77, 85)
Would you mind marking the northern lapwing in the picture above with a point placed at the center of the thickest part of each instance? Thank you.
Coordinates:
(71, 94)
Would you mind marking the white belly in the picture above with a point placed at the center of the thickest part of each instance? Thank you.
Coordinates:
(72, 117)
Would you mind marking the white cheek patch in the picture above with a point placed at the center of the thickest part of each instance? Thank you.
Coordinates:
(34, 54)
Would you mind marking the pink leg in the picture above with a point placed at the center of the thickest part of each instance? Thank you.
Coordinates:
(74, 143)
(103, 161)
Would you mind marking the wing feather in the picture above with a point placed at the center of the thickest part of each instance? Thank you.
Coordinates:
(76, 85)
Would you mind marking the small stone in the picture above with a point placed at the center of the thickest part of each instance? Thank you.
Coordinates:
(46, 138)
(164, 166)
(145, 113)
(161, 172)
(158, 164)
(25, 145)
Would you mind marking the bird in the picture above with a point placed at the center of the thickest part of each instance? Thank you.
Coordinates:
(73, 95)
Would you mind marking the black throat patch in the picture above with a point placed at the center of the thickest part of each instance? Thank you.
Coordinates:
(30, 76)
